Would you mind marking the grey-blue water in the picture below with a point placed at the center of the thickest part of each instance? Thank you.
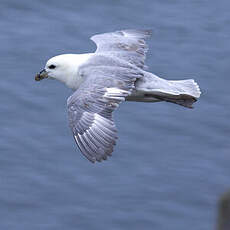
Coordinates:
(170, 164)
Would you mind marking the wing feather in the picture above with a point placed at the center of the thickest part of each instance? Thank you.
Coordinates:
(90, 107)
(129, 45)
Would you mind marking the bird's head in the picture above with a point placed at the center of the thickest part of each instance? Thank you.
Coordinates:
(62, 67)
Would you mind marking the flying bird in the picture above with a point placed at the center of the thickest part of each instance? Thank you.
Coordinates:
(116, 72)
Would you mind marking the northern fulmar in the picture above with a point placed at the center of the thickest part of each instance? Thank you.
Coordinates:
(116, 72)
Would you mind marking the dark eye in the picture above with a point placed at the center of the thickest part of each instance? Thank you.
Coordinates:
(52, 66)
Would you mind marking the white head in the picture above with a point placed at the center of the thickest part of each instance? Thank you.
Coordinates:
(63, 68)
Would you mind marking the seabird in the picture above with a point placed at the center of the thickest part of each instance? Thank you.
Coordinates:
(116, 72)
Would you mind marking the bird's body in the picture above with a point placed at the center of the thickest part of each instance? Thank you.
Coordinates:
(101, 80)
(148, 88)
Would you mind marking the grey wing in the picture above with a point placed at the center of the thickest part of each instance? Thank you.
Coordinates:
(90, 108)
(129, 45)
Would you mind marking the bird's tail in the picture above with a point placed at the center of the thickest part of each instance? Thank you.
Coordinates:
(152, 89)
(184, 92)
(189, 87)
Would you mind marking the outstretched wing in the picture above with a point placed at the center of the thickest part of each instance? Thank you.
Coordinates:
(90, 107)
(129, 45)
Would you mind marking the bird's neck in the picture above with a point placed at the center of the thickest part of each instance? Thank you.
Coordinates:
(74, 79)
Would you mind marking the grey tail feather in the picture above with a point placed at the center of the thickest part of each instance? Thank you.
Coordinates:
(184, 100)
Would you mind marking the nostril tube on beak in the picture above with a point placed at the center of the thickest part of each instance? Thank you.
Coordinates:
(43, 74)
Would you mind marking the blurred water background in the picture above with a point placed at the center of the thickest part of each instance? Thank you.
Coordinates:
(170, 164)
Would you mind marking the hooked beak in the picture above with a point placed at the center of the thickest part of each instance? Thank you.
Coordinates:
(43, 74)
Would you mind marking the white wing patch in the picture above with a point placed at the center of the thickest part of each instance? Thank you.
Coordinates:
(115, 93)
